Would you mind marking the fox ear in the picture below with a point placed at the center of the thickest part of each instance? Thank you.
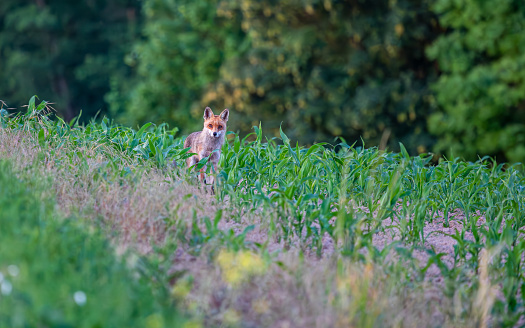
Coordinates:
(225, 114)
(207, 113)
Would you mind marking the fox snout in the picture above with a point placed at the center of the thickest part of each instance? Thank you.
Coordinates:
(215, 134)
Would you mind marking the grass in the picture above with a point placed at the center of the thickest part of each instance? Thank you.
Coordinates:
(330, 235)
(58, 272)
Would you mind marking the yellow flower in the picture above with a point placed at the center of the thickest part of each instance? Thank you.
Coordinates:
(233, 276)
(250, 263)
(237, 267)
(225, 259)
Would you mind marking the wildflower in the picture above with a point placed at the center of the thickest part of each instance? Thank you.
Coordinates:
(6, 287)
(80, 298)
(250, 263)
(13, 270)
(236, 267)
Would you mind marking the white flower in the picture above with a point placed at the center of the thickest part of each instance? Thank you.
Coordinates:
(80, 297)
(13, 270)
(6, 287)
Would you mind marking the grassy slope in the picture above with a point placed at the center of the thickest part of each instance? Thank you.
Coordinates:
(59, 272)
(299, 237)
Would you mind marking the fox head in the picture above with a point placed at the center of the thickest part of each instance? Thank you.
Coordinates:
(215, 125)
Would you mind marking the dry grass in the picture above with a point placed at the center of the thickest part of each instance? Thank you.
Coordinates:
(132, 207)
(148, 210)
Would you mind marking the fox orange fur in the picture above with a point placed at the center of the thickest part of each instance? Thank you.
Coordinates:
(208, 142)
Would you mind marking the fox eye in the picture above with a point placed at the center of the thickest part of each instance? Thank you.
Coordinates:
(210, 126)
(220, 127)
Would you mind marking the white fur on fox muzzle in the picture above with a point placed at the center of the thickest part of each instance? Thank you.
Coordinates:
(216, 135)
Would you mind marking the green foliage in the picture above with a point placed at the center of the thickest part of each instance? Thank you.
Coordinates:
(56, 272)
(184, 47)
(329, 69)
(68, 54)
(323, 69)
(346, 194)
(351, 194)
(150, 144)
(482, 86)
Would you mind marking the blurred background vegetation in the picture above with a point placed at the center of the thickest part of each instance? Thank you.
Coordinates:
(446, 76)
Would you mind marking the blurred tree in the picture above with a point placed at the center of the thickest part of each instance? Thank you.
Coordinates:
(481, 89)
(65, 52)
(185, 43)
(323, 68)
(333, 68)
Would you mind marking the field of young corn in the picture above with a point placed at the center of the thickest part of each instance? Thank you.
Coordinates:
(325, 236)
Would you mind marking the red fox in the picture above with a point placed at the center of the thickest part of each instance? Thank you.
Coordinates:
(207, 142)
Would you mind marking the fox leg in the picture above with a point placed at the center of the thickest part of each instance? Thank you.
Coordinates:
(202, 175)
(208, 179)
(213, 172)
(212, 177)
(191, 161)
(214, 159)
